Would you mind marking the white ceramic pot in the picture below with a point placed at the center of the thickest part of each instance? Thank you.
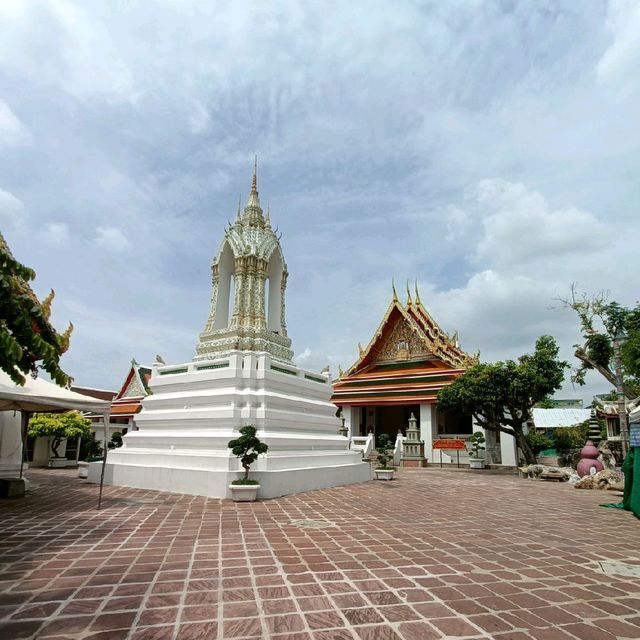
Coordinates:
(83, 469)
(244, 492)
(384, 474)
(476, 463)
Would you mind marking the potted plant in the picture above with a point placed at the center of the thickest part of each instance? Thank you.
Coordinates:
(384, 471)
(476, 459)
(247, 448)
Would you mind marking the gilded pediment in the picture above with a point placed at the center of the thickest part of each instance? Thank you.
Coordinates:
(403, 342)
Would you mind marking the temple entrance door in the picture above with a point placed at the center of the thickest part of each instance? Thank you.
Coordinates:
(391, 419)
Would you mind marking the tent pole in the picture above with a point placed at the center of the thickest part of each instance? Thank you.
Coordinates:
(24, 424)
(105, 420)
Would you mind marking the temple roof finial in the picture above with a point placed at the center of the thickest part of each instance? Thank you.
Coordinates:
(418, 301)
(253, 203)
(393, 288)
(239, 206)
(268, 219)
(408, 294)
(254, 180)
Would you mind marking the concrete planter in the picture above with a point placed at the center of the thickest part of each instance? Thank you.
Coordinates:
(476, 463)
(58, 463)
(83, 469)
(244, 492)
(384, 474)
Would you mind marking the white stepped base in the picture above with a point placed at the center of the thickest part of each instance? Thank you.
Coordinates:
(214, 483)
(195, 409)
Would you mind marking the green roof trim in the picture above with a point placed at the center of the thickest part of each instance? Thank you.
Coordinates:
(417, 379)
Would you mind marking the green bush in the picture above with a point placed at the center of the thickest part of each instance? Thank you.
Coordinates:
(568, 441)
(91, 448)
(538, 442)
(116, 440)
(568, 438)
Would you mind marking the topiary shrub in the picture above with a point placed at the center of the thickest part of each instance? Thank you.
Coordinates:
(384, 451)
(247, 447)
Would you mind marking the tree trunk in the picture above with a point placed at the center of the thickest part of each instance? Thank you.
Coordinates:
(523, 445)
(605, 372)
(54, 446)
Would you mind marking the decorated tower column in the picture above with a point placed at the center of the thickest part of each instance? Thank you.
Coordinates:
(249, 255)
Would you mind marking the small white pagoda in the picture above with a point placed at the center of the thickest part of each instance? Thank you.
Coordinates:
(242, 374)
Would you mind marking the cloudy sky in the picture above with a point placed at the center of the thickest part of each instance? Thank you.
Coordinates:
(489, 149)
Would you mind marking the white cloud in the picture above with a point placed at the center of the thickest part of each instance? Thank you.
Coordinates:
(13, 133)
(520, 226)
(56, 234)
(112, 239)
(12, 210)
(621, 60)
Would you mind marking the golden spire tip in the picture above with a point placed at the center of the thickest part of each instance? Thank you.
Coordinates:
(254, 180)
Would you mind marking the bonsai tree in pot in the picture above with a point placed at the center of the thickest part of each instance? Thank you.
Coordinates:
(476, 459)
(247, 448)
(384, 471)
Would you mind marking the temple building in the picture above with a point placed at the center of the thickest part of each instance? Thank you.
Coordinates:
(408, 360)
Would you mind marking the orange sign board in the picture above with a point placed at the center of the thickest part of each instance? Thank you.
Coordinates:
(449, 443)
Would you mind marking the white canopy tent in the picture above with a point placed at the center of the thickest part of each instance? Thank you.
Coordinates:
(38, 395)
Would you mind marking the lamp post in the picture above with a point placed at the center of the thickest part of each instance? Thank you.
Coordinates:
(622, 409)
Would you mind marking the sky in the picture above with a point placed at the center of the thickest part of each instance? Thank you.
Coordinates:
(488, 149)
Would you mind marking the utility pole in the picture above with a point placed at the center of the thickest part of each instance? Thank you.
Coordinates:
(622, 408)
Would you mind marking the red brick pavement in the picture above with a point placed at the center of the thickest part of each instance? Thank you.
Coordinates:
(434, 554)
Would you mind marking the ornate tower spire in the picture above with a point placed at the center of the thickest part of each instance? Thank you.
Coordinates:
(408, 294)
(254, 180)
(253, 210)
(246, 314)
(418, 301)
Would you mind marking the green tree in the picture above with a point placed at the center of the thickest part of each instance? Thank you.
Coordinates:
(384, 450)
(247, 447)
(600, 322)
(501, 395)
(116, 440)
(26, 336)
(59, 426)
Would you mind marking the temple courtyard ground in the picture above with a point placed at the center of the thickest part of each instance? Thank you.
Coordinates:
(433, 554)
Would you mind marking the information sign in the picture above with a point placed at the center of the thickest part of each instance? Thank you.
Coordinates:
(453, 444)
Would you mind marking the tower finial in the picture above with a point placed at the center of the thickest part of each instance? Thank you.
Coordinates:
(239, 206)
(268, 220)
(408, 294)
(418, 301)
(254, 180)
(393, 288)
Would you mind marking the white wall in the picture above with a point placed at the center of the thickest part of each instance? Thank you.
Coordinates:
(10, 443)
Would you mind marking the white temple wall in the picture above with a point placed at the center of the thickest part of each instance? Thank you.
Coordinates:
(509, 450)
(10, 443)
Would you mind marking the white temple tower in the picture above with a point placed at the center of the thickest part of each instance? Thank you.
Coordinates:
(242, 374)
(250, 272)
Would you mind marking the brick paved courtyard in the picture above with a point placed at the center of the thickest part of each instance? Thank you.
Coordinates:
(434, 554)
